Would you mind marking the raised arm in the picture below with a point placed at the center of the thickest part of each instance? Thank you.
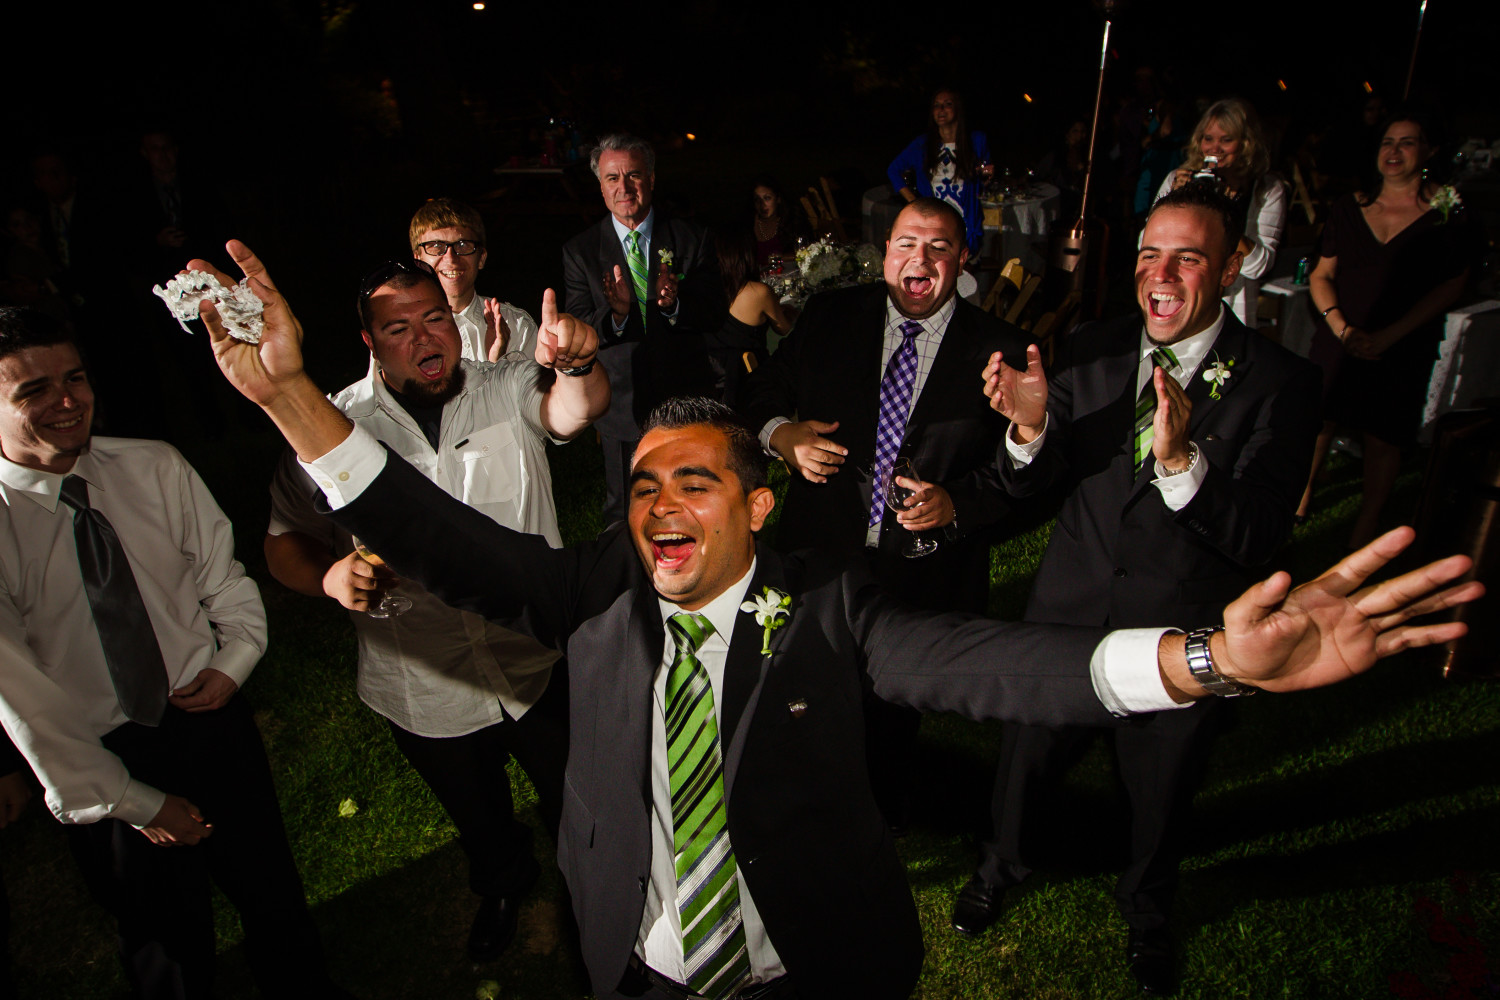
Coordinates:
(564, 344)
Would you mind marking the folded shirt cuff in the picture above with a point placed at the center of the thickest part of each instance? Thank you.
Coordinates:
(1127, 674)
(1178, 491)
(235, 660)
(767, 431)
(344, 473)
(1022, 454)
(139, 805)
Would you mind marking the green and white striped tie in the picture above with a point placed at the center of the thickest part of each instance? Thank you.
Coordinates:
(708, 894)
(1145, 406)
(637, 263)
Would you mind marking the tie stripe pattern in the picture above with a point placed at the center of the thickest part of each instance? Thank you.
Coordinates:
(1145, 406)
(895, 405)
(708, 895)
(636, 260)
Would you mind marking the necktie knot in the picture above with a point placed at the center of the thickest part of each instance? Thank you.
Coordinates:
(910, 329)
(633, 238)
(1164, 358)
(74, 493)
(689, 631)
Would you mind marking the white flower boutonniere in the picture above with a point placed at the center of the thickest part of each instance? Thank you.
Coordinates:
(1218, 373)
(770, 613)
(665, 256)
(1445, 200)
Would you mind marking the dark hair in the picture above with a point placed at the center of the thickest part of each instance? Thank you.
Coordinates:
(927, 207)
(736, 250)
(22, 327)
(767, 181)
(398, 274)
(747, 459)
(1428, 124)
(963, 146)
(1206, 198)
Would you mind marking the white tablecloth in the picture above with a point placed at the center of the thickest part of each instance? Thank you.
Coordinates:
(1468, 365)
(1024, 222)
(1296, 324)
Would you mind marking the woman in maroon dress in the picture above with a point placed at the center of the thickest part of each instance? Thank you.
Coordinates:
(1390, 267)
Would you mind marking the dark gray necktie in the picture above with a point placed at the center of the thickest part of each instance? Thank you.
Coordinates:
(130, 647)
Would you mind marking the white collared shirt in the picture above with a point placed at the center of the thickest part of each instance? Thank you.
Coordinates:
(1177, 491)
(437, 671)
(473, 333)
(56, 696)
(660, 940)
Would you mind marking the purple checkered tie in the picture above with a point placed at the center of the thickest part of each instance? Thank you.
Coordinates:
(895, 404)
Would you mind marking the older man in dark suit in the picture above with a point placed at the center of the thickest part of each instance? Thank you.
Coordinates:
(1181, 441)
(649, 284)
(882, 372)
(718, 836)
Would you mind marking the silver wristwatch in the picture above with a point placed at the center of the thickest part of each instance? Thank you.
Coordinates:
(1201, 666)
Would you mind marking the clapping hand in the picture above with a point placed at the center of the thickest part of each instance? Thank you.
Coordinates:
(1284, 639)
(618, 292)
(1169, 442)
(563, 341)
(666, 289)
(1019, 396)
(497, 331)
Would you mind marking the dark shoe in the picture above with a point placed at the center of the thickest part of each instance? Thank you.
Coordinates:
(977, 907)
(494, 926)
(1149, 955)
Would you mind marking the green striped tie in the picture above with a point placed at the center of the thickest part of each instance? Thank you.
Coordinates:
(708, 894)
(1145, 406)
(637, 262)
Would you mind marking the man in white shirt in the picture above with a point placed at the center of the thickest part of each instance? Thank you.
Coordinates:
(449, 236)
(1180, 440)
(127, 628)
(461, 695)
(780, 858)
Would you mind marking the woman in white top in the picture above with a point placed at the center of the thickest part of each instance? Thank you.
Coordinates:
(1230, 131)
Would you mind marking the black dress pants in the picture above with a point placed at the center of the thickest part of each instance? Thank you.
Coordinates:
(1161, 765)
(160, 896)
(467, 774)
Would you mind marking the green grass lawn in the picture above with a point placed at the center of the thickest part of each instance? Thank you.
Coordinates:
(1345, 840)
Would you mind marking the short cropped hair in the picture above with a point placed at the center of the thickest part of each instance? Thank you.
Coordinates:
(397, 274)
(930, 208)
(620, 142)
(444, 213)
(22, 327)
(747, 460)
(1204, 197)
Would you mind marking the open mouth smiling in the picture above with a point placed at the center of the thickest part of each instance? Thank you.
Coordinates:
(1164, 305)
(671, 549)
(432, 367)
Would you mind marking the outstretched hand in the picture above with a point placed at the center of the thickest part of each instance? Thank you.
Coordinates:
(563, 341)
(1284, 639)
(259, 371)
(1019, 396)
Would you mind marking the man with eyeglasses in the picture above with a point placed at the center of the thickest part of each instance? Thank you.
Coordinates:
(461, 695)
(449, 236)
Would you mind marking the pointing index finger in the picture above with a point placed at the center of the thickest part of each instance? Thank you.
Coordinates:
(549, 309)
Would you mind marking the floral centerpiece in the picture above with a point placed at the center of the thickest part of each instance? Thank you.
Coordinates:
(824, 265)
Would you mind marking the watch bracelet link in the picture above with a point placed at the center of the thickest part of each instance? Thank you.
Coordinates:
(1200, 662)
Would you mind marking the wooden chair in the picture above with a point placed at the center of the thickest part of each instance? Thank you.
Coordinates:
(750, 360)
(1003, 292)
(1050, 324)
(1023, 298)
(821, 214)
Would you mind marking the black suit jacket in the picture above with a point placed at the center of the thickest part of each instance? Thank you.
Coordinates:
(829, 369)
(651, 359)
(814, 850)
(1118, 555)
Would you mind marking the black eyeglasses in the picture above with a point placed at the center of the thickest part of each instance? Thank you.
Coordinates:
(437, 248)
(385, 272)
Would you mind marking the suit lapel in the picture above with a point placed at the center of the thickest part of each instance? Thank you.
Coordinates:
(745, 668)
(1229, 345)
(644, 639)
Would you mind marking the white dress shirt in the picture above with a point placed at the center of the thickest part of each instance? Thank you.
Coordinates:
(437, 671)
(56, 696)
(1176, 490)
(927, 343)
(471, 329)
(660, 940)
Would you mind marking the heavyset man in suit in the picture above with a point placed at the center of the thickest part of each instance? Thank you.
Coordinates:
(649, 284)
(839, 374)
(719, 837)
(1169, 514)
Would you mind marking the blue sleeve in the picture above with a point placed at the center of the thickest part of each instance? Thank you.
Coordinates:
(981, 144)
(909, 158)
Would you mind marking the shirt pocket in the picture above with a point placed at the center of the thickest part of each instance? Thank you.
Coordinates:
(488, 461)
